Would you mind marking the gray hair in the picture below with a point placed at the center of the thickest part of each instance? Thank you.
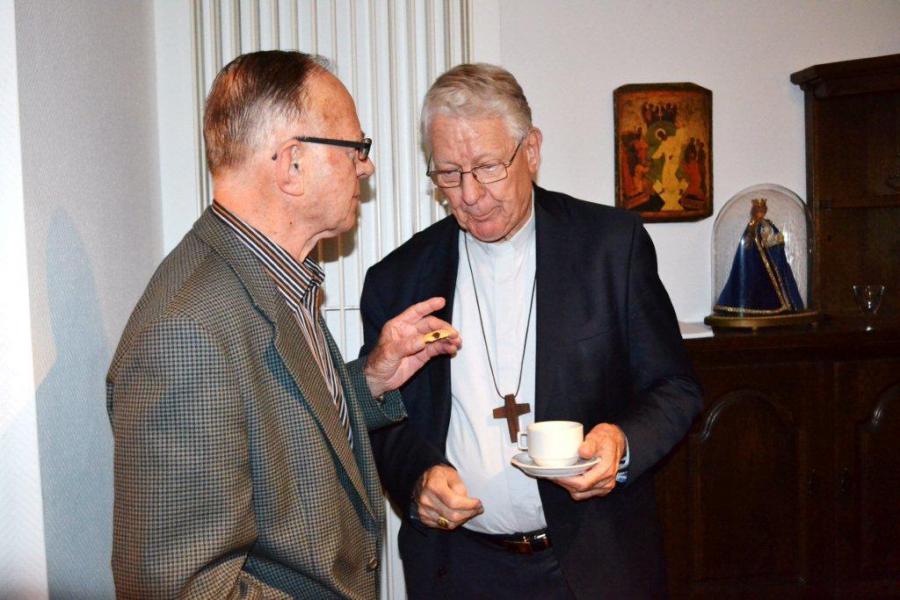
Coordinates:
(477, 91)
(250, 97)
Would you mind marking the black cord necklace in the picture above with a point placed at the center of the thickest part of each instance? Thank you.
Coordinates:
(510, 409)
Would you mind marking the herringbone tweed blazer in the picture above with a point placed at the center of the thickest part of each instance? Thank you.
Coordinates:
(233, 475)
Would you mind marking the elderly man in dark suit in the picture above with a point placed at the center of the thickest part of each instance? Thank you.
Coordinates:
(242, 461)
(564, 318)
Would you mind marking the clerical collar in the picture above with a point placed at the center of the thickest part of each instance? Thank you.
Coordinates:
(519, 242)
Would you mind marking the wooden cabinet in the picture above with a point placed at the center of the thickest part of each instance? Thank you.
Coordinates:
(788, 485)
(853, 178)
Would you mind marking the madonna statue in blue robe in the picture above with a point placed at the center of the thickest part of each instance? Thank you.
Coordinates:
(761, 281)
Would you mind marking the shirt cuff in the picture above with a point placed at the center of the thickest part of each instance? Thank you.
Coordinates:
(622, 472)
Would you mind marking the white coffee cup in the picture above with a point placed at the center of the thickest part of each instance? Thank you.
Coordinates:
(552, 443)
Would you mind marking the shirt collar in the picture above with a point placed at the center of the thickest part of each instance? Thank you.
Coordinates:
(295, 279)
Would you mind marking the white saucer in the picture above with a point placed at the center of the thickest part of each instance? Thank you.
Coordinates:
(524, 462)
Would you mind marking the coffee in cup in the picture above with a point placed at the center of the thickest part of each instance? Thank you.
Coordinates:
(552, 443)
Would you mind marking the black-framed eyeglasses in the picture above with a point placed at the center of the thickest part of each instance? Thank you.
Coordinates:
(487, 173)
(362, 147)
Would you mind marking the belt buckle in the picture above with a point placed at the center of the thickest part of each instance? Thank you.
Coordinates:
(522, 546)
(529, 544)
(540, 542)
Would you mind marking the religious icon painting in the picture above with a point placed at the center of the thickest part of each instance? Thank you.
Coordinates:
(664, 150)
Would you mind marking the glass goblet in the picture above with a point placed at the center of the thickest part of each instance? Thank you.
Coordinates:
(868, 299)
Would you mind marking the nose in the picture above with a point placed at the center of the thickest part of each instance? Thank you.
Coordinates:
(471, 189)
(364, 168)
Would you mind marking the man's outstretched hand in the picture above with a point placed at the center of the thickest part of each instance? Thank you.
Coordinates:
(406, 343)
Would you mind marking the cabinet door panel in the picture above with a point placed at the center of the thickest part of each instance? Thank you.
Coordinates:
(868, 462)
(746, 523)
(746, 464)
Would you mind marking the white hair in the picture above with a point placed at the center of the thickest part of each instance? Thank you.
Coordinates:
(477, 91)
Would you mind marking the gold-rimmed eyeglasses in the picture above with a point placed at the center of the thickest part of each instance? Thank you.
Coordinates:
(362, 147)
(486, 173)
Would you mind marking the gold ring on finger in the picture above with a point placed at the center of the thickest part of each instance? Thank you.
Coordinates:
(443, 523)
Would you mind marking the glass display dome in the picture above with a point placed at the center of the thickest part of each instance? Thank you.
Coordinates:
(761, 252)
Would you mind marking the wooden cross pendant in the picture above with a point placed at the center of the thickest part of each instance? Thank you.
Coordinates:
(511, 411)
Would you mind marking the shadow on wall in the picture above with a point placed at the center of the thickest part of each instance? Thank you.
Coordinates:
(74, 436)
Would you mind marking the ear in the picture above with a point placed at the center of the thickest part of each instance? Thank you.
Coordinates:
(533, 150)
(289, 171)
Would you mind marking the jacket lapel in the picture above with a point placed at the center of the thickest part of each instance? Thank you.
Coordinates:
(300, 362)
(288, 340)
(369, 483)
(440, 280)
(553, 278)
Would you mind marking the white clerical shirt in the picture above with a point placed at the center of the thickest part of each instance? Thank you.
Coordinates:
(478, 445)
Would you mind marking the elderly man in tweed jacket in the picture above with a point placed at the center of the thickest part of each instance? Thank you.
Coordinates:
(242, 461)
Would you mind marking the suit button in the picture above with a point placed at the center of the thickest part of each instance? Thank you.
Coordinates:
(373, 564)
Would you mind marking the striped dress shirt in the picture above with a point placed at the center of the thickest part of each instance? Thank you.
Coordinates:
(299, 284)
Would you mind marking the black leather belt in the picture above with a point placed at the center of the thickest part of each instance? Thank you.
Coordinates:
(518, 543)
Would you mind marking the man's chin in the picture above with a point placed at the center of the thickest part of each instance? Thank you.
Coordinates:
(485, 234)
(349, 224)
(352, 216)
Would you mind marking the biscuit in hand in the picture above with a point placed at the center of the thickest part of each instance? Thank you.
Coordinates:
(437, 334)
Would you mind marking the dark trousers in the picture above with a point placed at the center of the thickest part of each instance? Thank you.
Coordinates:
(476, 570)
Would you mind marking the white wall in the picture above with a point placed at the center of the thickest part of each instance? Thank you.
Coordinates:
(178, 126)
(569, 56)
(22, 559)
(90, 175)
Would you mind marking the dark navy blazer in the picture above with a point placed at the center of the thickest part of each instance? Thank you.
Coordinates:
(608, 350)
